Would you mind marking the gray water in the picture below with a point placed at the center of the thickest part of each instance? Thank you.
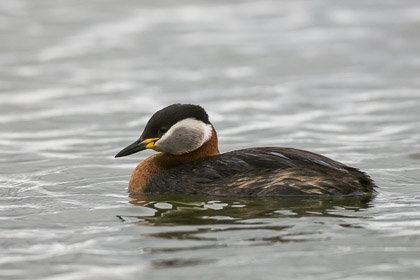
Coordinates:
(79, 80)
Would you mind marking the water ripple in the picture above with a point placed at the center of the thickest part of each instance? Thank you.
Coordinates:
(82, 78)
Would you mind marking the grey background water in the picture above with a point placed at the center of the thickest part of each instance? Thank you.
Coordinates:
(81, 78)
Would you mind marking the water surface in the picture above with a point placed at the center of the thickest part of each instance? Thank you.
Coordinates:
(81, 78)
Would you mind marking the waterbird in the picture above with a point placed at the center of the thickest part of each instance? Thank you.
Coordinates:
(189, 162)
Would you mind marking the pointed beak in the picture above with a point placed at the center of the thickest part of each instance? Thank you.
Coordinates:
(137, 146)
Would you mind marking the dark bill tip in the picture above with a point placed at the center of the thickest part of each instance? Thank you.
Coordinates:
(131, 149)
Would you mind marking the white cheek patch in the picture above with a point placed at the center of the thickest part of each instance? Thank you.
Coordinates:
(183, 137)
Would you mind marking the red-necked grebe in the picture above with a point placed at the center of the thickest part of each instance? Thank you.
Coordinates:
(189, 162)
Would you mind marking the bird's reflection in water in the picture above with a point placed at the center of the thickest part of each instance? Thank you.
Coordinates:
(199, 210)
(191, 223)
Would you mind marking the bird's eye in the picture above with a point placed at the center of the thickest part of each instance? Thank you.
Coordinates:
(162, 130)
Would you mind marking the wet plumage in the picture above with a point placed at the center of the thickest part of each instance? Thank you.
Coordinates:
(266, 171)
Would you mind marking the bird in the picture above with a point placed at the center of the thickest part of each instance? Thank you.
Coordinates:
(189, 162)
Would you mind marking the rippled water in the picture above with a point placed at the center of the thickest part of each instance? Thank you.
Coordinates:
(81, 78)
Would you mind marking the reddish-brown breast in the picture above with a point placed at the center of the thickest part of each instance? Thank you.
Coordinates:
(154, 164)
